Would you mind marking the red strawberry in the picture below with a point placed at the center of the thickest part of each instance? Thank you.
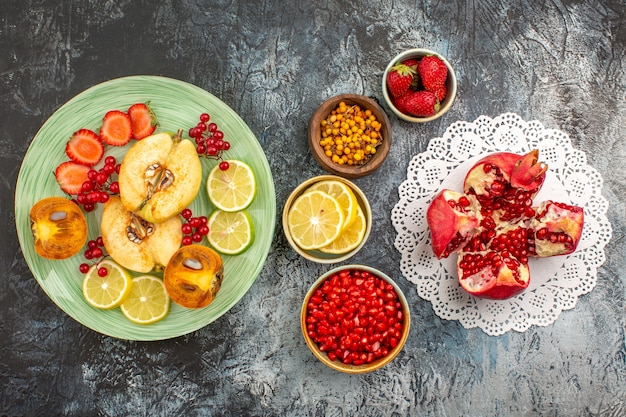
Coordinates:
(399, 79)
(441, 92)
(116, 129)
(433, 72)
(142, 119)
(85, 147)
(71, 175)
(411, 62)
(420, 103)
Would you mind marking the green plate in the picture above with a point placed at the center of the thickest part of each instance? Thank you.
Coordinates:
(177, 105)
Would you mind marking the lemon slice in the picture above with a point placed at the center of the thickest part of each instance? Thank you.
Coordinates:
(350, 237)
(344, 196)
(108, 291)
(232, 189)
(147, 302)
(315, 219)
(230, 232)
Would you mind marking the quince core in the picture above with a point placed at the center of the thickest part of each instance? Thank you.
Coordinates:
(135, 243)
(160, 176)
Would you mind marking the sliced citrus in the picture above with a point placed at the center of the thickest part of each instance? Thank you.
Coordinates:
(147, 302)
(230, 232)
(232, 189)
(350, 237)
(108, 291)
(315, 219)
(344, 196)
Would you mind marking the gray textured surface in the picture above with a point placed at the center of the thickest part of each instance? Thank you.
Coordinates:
(273, 61)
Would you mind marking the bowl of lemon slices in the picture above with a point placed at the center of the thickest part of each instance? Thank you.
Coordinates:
(327, 219)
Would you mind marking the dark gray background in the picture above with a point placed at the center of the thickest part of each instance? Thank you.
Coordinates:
(273, 61)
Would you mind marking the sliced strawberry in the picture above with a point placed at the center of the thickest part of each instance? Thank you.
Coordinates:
(116, 129)
(85, 147)
(142, 119)
(71, 175)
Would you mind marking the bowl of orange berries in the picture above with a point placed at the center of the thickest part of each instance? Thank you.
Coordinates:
(350, 135)
(419, 85)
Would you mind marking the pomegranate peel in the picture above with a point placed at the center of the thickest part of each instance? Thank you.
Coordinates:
(455, 219)
(528, 174)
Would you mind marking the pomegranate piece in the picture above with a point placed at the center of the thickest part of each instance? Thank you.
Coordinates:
(557, 228)
(506, 183)
(453, 219)
(491, 274)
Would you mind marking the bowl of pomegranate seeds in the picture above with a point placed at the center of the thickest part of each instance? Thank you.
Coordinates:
(355, 319)
(419, 85)
(350, 135)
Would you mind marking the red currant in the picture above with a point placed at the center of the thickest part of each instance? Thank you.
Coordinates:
(224, 165)
(186, 213)
(102, 272)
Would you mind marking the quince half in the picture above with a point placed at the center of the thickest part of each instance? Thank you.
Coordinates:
(160, 176)
(135, 243)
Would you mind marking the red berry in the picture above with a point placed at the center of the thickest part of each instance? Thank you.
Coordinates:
(224, 165)
(114, 187)
(204, 117)
(84, 268)
(186, 213)
(102, 272)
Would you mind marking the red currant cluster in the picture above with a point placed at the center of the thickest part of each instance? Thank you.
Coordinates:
(194, 228)
(95, 251)
(209, 139)
(99, 187)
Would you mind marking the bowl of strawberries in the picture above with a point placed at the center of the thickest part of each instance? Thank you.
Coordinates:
(419, 85)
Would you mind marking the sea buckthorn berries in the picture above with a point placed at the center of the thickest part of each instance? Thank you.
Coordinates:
(350, 135)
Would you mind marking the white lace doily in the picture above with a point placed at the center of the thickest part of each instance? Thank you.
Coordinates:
(556, 282)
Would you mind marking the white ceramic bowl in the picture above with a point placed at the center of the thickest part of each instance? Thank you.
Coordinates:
(451, 85)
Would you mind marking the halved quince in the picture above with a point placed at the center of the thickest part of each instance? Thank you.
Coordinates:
(194, 276)
(135, 243)
(58, 226)
(160, 176)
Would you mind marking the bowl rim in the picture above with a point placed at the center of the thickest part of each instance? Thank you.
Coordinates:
(452, 85)
(347, 368)
(315, 255)
(350, 171)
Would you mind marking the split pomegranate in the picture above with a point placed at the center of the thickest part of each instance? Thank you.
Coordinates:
(355, 317)
(495, 227)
